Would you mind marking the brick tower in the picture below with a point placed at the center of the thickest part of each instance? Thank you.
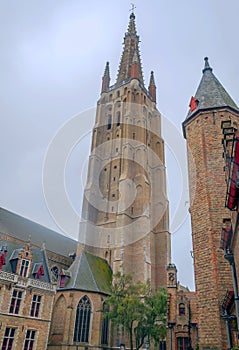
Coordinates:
(125, 208)
(202, 130)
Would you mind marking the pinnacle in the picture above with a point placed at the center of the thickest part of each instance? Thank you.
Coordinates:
(131, 26)
(152, 81)
(107, 69)
(207, 65)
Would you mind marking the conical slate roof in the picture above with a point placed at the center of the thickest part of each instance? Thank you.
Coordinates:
(211, 93)
(89, 273)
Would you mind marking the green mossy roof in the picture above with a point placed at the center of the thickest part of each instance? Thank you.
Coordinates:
(89, 273)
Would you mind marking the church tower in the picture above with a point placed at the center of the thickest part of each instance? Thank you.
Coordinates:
(125, 207)
(202, 129)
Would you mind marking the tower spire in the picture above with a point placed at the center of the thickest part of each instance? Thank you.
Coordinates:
(106, 78)
(130, 53)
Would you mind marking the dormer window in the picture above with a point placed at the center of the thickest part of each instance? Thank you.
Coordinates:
(64, 278)
(38, 271)
(24, 268)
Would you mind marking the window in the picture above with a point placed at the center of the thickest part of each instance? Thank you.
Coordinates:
(182, 343)
(15, 302)
(133, 136)
(35, 306)
(105, 326)
(118, 93)
(29, 340)
(181, 309)
(82, 322)
(8, 339)
(118, 118)
(24, 268)
(109, 122)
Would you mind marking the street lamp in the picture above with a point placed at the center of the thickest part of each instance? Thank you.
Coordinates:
(170, 326)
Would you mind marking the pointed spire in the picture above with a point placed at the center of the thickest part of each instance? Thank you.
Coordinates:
(152, 87)
(131, 26)
(130, 54)
(207, 66)
(106, 78)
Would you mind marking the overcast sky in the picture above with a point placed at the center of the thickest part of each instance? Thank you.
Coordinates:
(53, 55)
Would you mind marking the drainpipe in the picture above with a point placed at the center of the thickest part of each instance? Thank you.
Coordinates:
(229, 256)
(227, 318)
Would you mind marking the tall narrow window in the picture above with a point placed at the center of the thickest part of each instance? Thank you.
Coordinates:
(109, 122)
(118, 118)
(15, 302)
(8, 339)
(29, 340)
(82, 322)
(35, 305)
(105, 326)
(24, 268)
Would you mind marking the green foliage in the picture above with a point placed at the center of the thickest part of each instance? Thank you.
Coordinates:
(141, 313)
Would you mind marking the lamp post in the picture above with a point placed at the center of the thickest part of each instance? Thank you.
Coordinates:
(170, 326)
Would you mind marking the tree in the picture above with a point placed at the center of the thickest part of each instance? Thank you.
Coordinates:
(141, 313)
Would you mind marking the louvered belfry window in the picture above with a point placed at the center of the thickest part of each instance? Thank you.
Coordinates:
(82, 322)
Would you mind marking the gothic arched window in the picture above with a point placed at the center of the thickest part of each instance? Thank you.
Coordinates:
(82, 322)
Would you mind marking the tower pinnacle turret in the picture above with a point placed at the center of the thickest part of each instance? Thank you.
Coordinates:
(152, 87)
(106, 78)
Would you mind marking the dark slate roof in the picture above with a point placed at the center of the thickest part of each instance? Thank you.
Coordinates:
(38, 257)
(211, 93)
(89, 273)
(23, 229)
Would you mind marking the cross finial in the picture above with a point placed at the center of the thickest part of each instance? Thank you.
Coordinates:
(133, 7)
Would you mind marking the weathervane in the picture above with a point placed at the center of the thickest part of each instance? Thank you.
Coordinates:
(133, 7)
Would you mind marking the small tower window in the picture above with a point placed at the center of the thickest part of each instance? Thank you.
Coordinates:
(118, 93)
(133, 136)
(181, 309)
(115, 167)
(109, 122)
(118, 118)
